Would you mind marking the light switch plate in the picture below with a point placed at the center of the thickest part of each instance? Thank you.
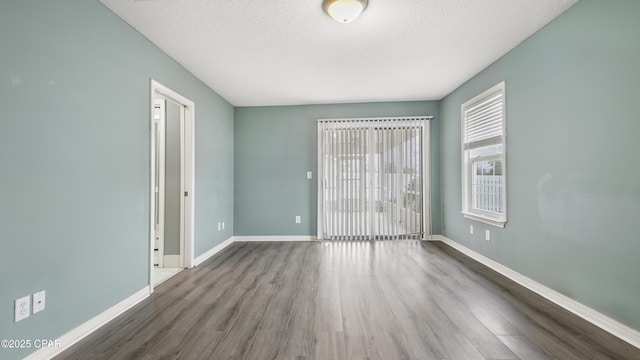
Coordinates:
(297, 219)
(309, 175)
(487, 235)
(470, 229)
(38, 301)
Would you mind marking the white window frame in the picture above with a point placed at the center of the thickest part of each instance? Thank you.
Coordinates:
(468, 211)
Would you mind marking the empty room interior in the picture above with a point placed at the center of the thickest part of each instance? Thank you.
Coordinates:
(344, 179)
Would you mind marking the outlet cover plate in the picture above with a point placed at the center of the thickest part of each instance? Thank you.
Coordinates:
(23, 308)
(38, 301)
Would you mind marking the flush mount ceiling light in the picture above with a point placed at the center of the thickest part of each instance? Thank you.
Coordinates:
(344, 11)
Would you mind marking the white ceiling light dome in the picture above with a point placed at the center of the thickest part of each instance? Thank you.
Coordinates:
(344, 11)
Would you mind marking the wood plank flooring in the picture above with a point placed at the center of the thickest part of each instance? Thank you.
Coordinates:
(335, 300)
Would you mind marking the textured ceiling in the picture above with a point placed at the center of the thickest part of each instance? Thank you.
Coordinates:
(287, 52)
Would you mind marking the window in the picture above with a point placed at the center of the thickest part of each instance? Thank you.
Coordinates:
(484, 193)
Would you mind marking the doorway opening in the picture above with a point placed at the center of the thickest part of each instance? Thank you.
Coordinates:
(172, 183)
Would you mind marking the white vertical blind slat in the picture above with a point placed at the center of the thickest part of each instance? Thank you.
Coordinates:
(338, 181)
(362, 209)
(353, 211)
(393, 180)
(387, 186)
(332, 182)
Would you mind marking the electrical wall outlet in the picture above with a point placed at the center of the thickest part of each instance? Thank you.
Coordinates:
(309, 175)
(297, 219)
(487, 235)
(470, 229)
(38, 301)
(23, 308)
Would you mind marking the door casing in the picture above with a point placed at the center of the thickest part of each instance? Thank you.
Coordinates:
(187, 175)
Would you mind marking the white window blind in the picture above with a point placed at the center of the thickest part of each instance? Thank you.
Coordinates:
(483, 157)
(483, 121)
(373, 178)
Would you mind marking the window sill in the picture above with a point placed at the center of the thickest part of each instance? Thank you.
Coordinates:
(484, 219)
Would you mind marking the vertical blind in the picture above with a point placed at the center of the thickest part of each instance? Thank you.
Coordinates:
(373, 178)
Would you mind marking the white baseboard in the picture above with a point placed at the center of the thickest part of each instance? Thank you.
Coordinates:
(216, 249)
(67, 340)
(276, 238)
(171, 261)
(604, 322)
(598, 319)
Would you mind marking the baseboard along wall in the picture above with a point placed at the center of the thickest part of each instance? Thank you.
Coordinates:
(216, 249)
(67, 340)
(84, 330)
(609, 325)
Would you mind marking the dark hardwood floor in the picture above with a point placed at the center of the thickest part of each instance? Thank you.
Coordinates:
(335, 300)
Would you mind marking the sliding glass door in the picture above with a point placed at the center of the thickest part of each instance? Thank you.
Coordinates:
(373, 178)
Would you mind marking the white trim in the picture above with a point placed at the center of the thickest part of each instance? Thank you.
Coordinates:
(598, 319)
(216, 249)
(190, 185)
(183, 180)
(67, 340)
(466, 162)
(275, 238)
(426, 177)
(159, 152)
(319, 184)
(483, 219)
(152, 185)
(187, 167)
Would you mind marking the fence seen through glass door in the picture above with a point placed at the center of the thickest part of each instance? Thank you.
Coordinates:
(372, 182)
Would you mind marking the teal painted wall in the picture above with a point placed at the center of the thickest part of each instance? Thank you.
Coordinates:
(74, 160)
(276, 146)
(573, 179)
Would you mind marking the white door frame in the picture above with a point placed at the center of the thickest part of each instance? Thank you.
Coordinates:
(187, 183)
(159, 187)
